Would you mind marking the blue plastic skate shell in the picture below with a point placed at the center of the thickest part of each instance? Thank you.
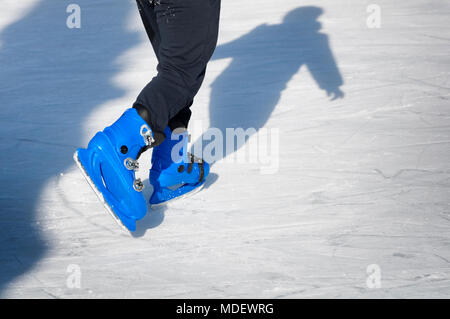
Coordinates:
(162, 195)
(171, 174)
(103, 164)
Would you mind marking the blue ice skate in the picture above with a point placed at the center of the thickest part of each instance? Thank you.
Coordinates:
(175, 172)
(109, 164)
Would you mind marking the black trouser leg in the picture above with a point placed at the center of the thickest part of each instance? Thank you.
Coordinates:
(183, 34)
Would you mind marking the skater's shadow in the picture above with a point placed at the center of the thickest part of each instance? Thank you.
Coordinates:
(245, 94)
(263, 61)
(52, 77)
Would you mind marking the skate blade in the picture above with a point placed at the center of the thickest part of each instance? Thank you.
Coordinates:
(186, 195)
(98, 193)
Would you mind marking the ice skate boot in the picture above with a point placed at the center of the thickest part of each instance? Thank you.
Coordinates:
(109, 164)
(175, 172)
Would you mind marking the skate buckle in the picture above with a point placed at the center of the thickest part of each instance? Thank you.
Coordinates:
(138, 185)
(146, 133)
(131, 164)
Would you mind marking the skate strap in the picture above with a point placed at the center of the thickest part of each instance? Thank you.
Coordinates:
(202, 171)
(158, 138)
(193, 159)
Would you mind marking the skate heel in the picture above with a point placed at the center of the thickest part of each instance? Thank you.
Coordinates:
(109, 164)
(94, 169)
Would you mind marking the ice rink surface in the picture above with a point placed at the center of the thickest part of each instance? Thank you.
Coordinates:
(359, 206)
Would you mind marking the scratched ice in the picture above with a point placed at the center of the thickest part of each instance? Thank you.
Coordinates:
(359, 206)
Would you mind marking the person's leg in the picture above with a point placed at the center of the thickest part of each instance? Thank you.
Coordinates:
(181, 119)
(148, 16)
(184, 35)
